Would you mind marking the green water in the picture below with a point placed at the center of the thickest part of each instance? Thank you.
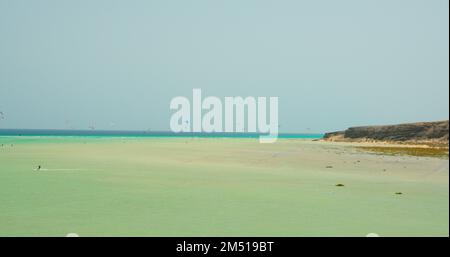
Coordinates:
(213, 187)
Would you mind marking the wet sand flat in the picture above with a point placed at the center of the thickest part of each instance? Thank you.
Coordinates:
(216, 187)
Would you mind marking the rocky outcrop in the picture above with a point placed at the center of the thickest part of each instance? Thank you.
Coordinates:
(435, 133)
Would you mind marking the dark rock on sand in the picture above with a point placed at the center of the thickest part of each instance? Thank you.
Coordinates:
(415, 133)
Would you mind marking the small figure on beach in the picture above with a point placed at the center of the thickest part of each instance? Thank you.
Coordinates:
(38, 168)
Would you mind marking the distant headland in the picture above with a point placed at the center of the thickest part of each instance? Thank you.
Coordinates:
(426, 133)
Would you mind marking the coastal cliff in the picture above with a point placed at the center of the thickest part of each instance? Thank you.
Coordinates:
(430, 133)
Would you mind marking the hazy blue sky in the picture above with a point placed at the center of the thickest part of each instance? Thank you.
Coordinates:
(117, 64)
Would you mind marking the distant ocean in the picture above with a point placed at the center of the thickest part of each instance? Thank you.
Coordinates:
(116, 133)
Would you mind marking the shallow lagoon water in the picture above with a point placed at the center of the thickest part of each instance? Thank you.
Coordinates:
(215, 187)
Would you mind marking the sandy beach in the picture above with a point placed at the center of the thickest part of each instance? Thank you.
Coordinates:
(216, 187)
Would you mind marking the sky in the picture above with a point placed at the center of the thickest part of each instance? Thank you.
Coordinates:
(116, 65)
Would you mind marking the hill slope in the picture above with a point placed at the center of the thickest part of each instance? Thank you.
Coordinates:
(435, 133)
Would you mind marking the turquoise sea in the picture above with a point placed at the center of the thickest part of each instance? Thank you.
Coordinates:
(117, 133)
